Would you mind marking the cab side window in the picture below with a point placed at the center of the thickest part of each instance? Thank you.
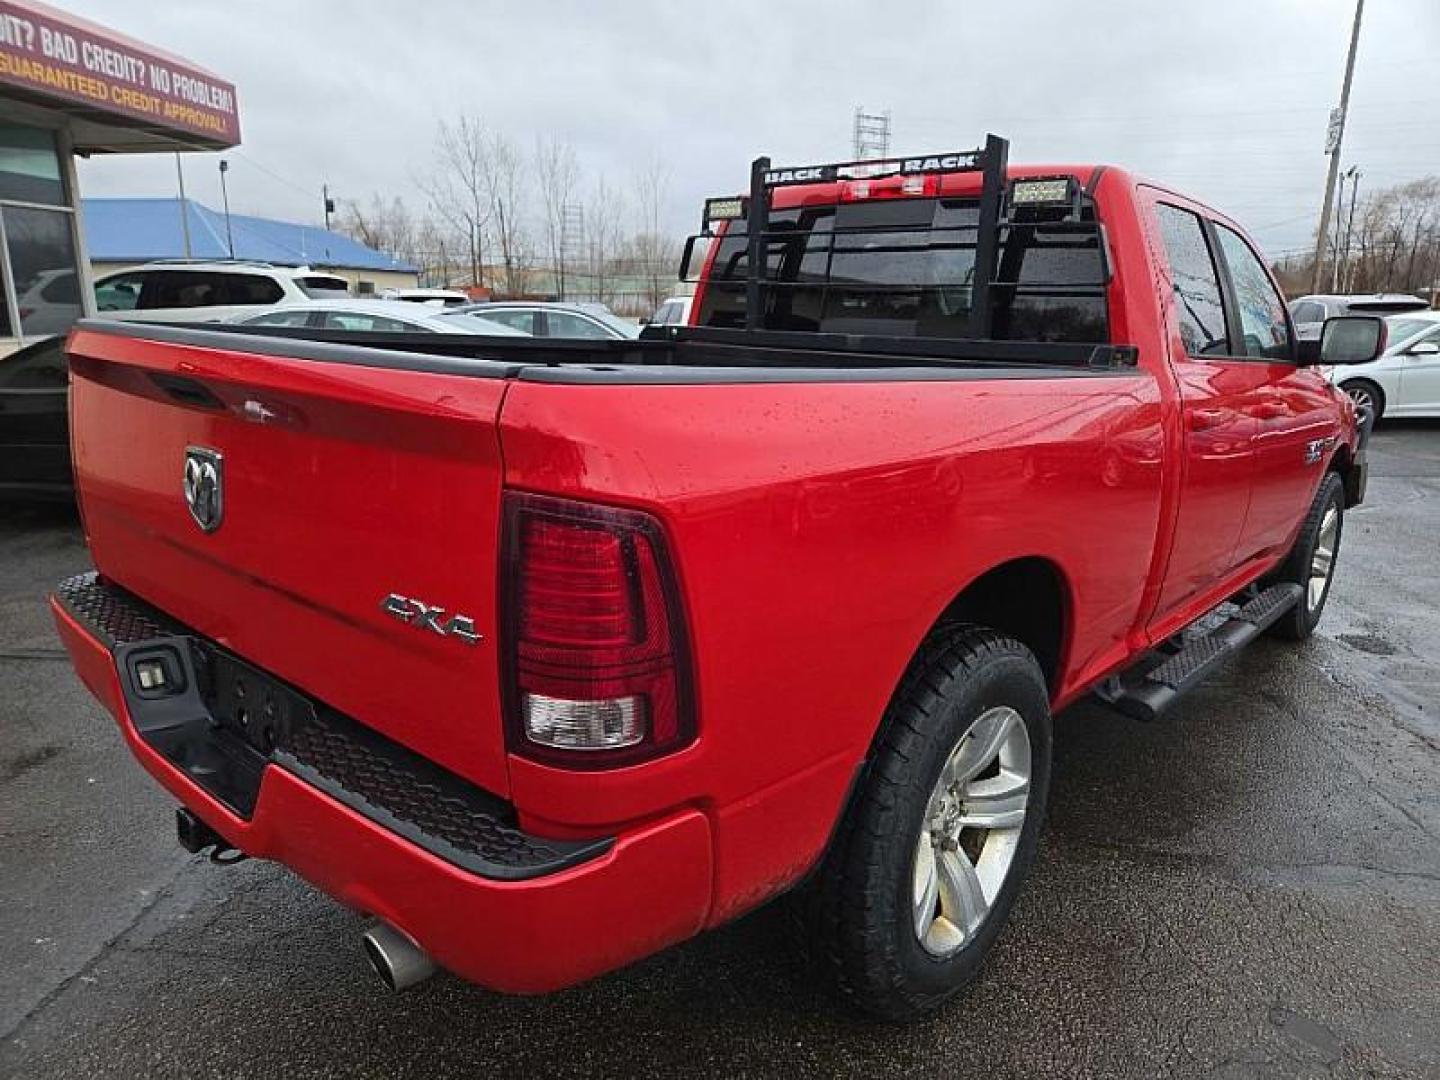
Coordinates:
(1264, 330)
(1198, 303)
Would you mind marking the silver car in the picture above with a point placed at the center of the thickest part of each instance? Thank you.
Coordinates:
(1310, 312)
(549, 319)
(374, 316)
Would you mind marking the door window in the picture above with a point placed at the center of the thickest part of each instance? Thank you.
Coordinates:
(36, 367)
(1308, 311)
(121, 293)
(354, 320)
(561, 324)
(180, 289)
(1264, 330)
(249, 289)
(524, 321)
(1196, 282)
(280, 318)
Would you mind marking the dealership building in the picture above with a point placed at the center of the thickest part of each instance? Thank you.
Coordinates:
(69, 87)
(119, 233)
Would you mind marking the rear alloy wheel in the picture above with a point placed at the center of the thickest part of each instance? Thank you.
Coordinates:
(971, 831)
(941, 830)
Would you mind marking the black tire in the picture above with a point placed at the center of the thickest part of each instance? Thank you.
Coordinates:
(857, 911)
(1364, 388)
(1299, 622)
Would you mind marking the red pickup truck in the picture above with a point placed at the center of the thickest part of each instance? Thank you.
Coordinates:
(549, 654)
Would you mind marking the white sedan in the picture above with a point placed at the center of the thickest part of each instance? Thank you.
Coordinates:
(1405, 381)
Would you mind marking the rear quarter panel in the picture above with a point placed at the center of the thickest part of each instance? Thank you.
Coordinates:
(819, 530)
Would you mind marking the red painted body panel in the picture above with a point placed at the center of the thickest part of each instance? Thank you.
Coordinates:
(360, 483)
(818, 529)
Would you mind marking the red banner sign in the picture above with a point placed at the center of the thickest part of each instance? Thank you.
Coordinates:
(48, 53)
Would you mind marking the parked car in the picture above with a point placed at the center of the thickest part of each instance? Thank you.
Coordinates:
(673, 312)
(1405, 380)
(550, 659)
(446, 298)
(34, 431)
(192, 291)
(374, 316)
(1310, 312)
(557, 320)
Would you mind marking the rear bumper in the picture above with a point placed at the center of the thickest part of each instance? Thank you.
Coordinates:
(514, 912)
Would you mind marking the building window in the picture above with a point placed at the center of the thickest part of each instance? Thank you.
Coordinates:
(30, 166)
(39, 270)
(42, 264)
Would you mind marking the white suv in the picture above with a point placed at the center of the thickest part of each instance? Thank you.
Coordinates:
(192, 291)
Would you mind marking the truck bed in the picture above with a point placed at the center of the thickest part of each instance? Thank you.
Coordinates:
(662, 354)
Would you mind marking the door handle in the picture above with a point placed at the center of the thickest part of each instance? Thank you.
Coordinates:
(1270, 410)
(1205, 419)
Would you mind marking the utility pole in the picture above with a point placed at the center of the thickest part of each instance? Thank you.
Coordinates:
(1348, 280)
(872, 135)
(329, 204)
(1334, 137)
(225, 197)
(184, 206)
(1335, 241)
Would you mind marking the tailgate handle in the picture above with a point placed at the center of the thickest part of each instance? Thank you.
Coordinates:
(187, 391)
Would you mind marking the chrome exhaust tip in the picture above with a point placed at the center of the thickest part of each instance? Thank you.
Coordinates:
(398, 961)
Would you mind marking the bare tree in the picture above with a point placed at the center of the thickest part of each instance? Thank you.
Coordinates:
(602, 233)
(1395, 243)
(459, 186)
(654, 252)
(384, 226)
(559, 174)
(504, 184)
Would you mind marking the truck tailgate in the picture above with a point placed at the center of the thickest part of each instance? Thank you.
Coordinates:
(341, 484)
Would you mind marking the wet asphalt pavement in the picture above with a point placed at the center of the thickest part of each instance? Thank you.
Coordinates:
(1248, 889)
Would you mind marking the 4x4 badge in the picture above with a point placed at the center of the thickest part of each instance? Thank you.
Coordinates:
(424, 617)
(205, 486)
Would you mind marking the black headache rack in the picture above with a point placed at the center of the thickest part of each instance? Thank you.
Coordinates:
(1052, 208)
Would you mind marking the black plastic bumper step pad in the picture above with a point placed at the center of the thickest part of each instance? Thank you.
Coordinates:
(223, 721)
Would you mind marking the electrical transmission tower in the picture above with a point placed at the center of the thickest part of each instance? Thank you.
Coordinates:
(572, 240)
(872, 134)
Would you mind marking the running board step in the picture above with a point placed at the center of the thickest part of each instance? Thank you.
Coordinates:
(1151, 695)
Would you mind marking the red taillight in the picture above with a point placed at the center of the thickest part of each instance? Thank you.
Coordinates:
(597, 669)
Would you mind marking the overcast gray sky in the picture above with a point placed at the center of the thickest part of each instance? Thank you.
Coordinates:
(1227, 99)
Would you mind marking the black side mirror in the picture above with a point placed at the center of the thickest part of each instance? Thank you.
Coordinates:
(1346, 339)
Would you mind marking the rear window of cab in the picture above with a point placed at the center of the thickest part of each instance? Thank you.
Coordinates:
(905, 267)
